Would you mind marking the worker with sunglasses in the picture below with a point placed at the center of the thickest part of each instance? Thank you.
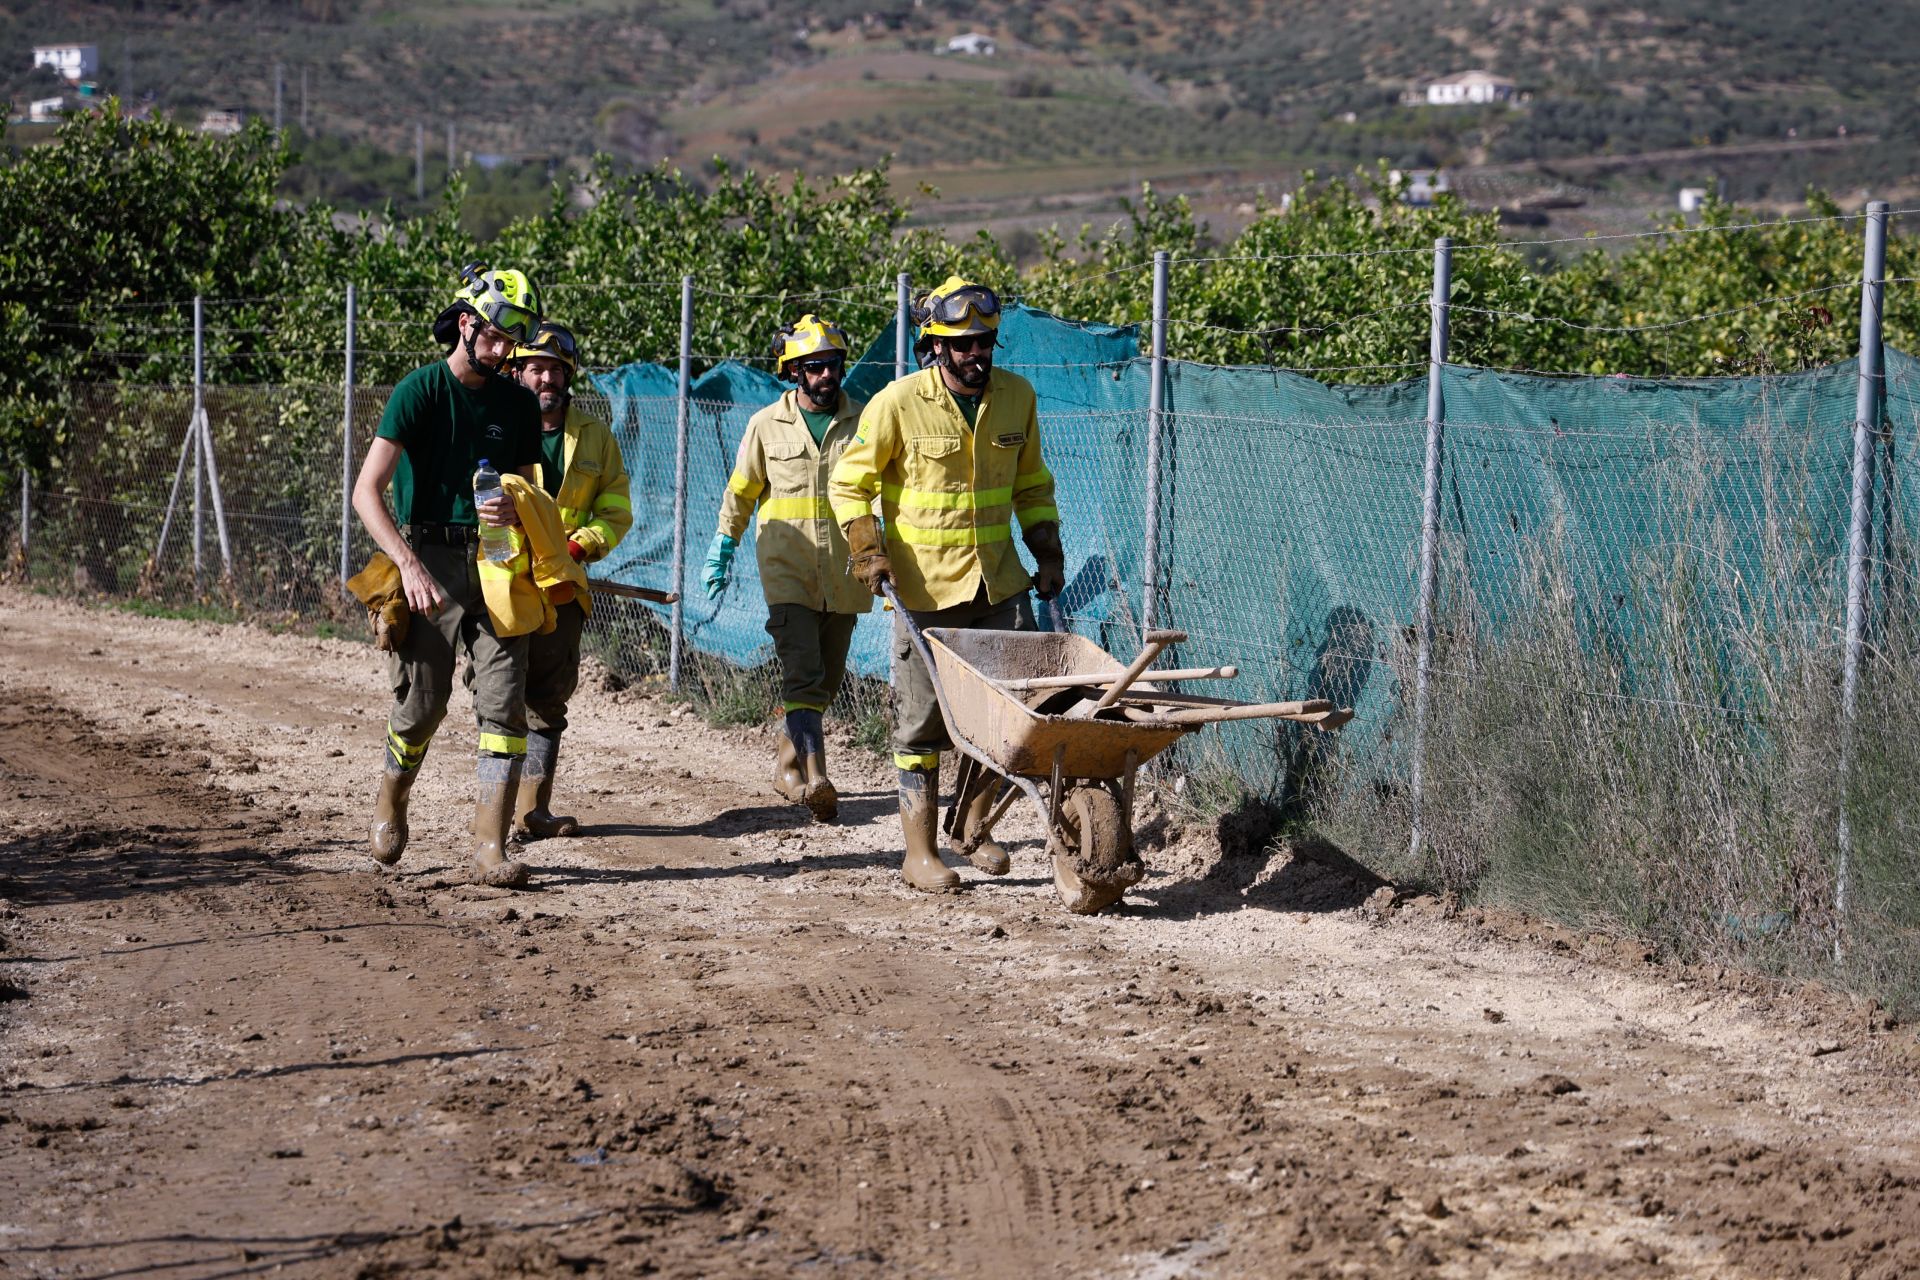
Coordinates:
(786, 456)
(582, 470)
(953, 454)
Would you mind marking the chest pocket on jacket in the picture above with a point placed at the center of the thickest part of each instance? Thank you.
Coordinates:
(932, 463)
(789, 468)
(576, 491)
(1000, 460)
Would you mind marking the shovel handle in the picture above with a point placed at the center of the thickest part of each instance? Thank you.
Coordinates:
(600, 586)
(1156, 641)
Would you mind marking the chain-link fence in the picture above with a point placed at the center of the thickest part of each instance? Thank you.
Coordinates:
(1658, 675)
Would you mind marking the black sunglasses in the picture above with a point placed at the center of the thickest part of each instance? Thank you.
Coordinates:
(821, 366)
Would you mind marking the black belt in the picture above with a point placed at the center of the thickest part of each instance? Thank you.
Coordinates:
(444, 535)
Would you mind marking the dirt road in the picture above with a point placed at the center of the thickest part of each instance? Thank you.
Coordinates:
(718, 1041)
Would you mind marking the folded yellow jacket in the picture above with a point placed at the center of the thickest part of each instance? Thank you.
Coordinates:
(516, 590)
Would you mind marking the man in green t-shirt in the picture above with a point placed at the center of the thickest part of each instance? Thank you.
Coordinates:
(440, 423)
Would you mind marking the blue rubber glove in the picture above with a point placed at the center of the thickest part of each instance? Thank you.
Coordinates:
(719, 564)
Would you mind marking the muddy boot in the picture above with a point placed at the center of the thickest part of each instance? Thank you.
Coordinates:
(809, 741)
(979, 792)
(390, 814)
(919, 814)
(533, 816)
(788, 781)
(499, 778)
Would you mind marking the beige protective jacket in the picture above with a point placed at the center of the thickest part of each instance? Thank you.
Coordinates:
(780, 470)
(595, 505)
(949, 492)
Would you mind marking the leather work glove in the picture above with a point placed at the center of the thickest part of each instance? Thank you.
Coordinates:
(867, 554)
(379, 588)
(719, 566)
(1049, 558)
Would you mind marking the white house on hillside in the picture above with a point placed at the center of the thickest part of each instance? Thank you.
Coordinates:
(973, 44)
(1470, 88)
(74, 62)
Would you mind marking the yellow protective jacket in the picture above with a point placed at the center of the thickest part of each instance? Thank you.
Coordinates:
(780, 470)
(516, 590)
(595, 505)
(948, 491)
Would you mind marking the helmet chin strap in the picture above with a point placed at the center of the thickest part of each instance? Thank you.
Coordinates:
(474, 361)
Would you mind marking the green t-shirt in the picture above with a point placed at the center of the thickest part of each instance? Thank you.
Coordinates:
(969, 406)
(553, 459)
(445, 429)
(817, 423)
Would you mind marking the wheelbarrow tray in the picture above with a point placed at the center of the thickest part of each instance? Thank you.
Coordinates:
(1013, 737)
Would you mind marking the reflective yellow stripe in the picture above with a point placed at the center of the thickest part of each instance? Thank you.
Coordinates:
(405, 752)
(845, 511)
(1032, 478)
(796, 509)
(494, 569)
(929, 761)
(500, 744)
(1031, 516)
(611, 502)
(969, 501)
(947, 537)
(802, 706)
(745, 487)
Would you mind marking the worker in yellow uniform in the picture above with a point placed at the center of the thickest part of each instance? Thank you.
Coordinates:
(581, 469)
(785, 460)
(953, 454)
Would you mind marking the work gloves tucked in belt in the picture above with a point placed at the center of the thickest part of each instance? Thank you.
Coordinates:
(719, 566)
(867, 554)
(378, 587)
(1050, 559)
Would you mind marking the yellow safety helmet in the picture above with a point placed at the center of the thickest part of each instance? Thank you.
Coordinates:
(555, 342)
(808, 336)
(958, 308)
(506, 299)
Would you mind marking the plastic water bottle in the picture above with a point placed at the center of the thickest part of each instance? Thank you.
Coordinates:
(496, 541)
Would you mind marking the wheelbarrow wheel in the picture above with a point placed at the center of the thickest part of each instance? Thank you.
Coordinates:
(1093, 859)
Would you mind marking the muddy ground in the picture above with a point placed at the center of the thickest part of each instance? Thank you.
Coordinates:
(717, 1040)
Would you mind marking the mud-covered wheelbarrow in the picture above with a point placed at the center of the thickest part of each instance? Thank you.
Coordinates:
(1069, 726)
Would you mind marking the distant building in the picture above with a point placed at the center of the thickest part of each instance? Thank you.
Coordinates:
(973, 44)
(223, 122)
(1470, 88)
(1423, 185)
(74, 62)
(1691, 198)
(48, 110)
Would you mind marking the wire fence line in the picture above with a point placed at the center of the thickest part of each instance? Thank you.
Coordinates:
(1661, 614)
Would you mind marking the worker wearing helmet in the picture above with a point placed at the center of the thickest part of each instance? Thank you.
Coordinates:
(440, 422)
(582, 471)
(786, 457)
(953, 454)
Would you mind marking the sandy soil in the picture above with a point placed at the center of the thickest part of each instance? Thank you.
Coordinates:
(716, 1040)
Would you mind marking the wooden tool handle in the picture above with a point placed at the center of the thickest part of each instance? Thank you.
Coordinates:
(1156, 641)
(600, 586)
(1104, 678)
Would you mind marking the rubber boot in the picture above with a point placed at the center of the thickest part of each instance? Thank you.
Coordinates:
(919, 815)
(499, 778)
(809, 741)
(788, 781)
(975, 804)
(533, 816)
(389, 838)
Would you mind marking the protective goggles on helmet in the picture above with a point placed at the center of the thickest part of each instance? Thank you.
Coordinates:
(554, 341)
(952, 308)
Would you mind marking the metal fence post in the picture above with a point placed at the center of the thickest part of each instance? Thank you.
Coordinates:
(1866, 431)
(213, 491)
(346, 452)
(1430, 527)
(26, 516)
(680, 478)
(902, 323)
(1156, 405)
(193, 442)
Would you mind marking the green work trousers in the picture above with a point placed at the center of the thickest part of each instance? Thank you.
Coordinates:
(918, 729)
(812, 648)
(553, 669)
(422, 668)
